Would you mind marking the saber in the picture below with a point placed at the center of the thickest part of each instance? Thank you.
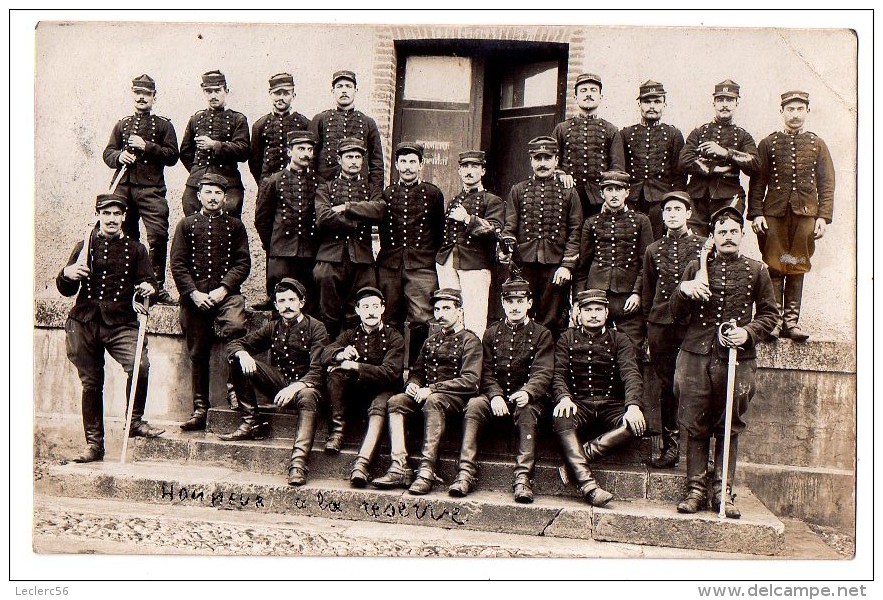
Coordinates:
(116, 180)
(728, 416)
(139, 345)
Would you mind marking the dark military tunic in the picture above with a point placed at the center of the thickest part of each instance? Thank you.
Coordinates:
(588, 146)
(333, 125)
(450, 363)
(664, 263)
(285, 214)
(269, 148)
(226, 126)
(473, 246)
(210, 252)
(717, 185)
(793, 186)
(651, 158)
(160, 151)
(347, 233)
(412, 227)
(612, 247)
(380, 355)
(517, 357)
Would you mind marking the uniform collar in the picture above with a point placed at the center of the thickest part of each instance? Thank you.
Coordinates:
(517, 327)
(379, 328)
(414, 183)
(588, 116)
(651, 124)
(346, 177)
(296, 321)
(475, 190)
(585, 331)
(350, 109)
(669, 234)
(792, 132)
(457, 328)
(118, 236)
(211, 217)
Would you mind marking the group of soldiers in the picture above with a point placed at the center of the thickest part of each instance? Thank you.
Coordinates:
(610, 270)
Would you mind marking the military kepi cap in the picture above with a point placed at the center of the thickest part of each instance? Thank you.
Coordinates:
(105, 200)
(369, 291)
(471, 156)
(515, 287)
(214, 79)
(214, 179)
(731, 210)
(348, 144)
(620, 178)
(591, 296)
(543, 144)
(452, 294)
(650, 89)
(281, 80)
(144, 82)
(587, 78)
(292, 285)
(343, 75)
(409, 148)
(682, 197)
(795, 96)
(301, 137)
(727, 88)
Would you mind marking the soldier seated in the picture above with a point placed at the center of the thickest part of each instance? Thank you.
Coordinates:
(594, 365)
(516, 377)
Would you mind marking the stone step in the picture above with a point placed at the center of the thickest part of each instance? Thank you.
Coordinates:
(271, 456)
(224, 488)
(497, 439)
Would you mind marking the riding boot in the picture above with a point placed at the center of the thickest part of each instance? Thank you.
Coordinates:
(399, 473)
(778, 280)
(199, 378)
(434, 428)
(158, 255)
(93, 426)
(138, 427)
(252, 426)
(717, 481)
(359, 474)
(603, 444)
(576, 459)
(525, 459)
(303, 443)
(793, 297)
(468, 469)
(696, 498)
(336, 385)
(670, 454)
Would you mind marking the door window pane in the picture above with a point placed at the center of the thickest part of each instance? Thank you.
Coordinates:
(438, 78)
(530, 85)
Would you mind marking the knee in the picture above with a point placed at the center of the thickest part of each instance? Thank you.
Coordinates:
(476, 408)
(434, 403)
(399, 404)
(527, 416)
(560, 424)
(308, 400)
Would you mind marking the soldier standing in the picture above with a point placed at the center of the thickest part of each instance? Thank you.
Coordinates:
(214, 141)
(364, 367)
(543, 221)
(652, 149)
(664, 263)
(596, 382)
(346, 208)
(791, 201)
(445, 376)
(516, 378)
(144, 144)
(103, 318)
(411, 232)
(469, 250)
(285, 219)
(210, 260)
(589, 145)
(269, 134)
(729, 288)
(344, 121)
(293, 375)
(713, 155)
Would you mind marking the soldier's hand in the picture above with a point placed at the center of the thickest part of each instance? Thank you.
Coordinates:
(634, 419)
(339, 208)
(422, 394)
(564, 408)
(819, 231)
(520, 398)
(349, 353)
(127, 158)
(349, 365)
(498, 406)
(76, 272)
(459, 214)
(562, 275)
(697, 290)
(411, 390)
(565, 178)
(721, 169)
(136, 141)
(144, 289)
(735, 337)
(759, 224)
(204, 142)
(287, 394)
(217, 295)
(710, 148)
(246, 363)
(632, 303)
(703, 166)
(202, 300)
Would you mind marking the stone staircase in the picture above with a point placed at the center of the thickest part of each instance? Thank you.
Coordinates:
(199, 470)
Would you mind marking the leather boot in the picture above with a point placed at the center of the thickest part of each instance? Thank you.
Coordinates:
(399, 474)
(778, 280)
(670, 454)
(93, 426)
(433, 430)
(303, 443)
(138, 427)
(466, 476)
(576, 459)
(232, 398)
(522, 489)
(696, 498)
(336, 386)
(730, 509)
(525, 459)
(253, 427)
(603, 444)
(199, 385)
(793, 297)
(359, 475)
